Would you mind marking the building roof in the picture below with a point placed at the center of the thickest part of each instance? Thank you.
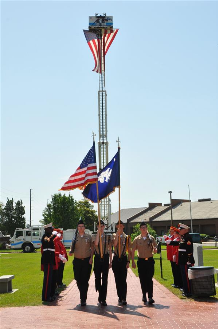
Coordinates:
(144, 217)
(125, 214)
(199, 210)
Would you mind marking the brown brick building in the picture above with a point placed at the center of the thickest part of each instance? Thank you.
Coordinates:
(204, 213)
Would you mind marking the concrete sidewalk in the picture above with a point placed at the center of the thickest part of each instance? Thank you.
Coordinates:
(168, 311)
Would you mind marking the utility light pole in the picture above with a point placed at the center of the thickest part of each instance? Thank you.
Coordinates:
(190, 209)
(171, 208)
(30, 207)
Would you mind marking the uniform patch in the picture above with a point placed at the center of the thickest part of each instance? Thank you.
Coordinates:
(189, 242)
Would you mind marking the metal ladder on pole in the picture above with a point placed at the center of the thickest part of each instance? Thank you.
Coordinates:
(103, 143)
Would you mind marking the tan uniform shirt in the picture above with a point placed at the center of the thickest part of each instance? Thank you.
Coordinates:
(124, 245)
(83, 246)
(144, 246)
(106, 244)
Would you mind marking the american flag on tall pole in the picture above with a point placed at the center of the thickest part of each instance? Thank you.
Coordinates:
(85, 174)
(99, 46)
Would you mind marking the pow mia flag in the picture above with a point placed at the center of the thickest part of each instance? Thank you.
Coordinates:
(108, 180)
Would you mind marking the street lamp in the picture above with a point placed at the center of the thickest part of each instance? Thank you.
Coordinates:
(171, 208)
(190, 209)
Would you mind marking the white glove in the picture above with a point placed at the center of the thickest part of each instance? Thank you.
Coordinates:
(59, 235)
(62, 258)
(168, 241)
(54, 233)
(165, 236)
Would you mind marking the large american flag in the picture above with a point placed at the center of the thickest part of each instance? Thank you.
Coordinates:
(99, 46)
(85, 174)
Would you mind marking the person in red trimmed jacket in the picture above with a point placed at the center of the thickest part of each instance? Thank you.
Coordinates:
(175, 266)
(185, 256)
(168, 238)
(63, 259)
(57, 261)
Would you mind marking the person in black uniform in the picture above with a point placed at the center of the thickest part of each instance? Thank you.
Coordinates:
(48, 262)
(185, 256)
(120, 263)
(103, 255)
(82, 263)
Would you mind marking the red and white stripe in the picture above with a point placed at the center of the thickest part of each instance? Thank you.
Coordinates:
(81, 177)
(99, 51)
(109, 38)
(95, 47)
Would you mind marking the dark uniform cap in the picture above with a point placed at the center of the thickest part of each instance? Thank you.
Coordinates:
(119, 223)
(101, 222)
(80, 222)
(143, 224)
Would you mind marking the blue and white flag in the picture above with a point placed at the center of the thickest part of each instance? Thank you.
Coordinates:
(108, 180)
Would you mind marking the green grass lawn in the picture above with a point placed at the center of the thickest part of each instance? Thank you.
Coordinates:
(210, 258)
(28, 276)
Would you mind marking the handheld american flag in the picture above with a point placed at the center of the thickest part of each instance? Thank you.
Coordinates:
(85, 174)
(99, 46)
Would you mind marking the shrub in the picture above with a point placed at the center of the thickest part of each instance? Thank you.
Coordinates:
(204, 237)
(136, 231)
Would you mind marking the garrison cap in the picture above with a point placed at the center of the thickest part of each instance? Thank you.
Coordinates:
(143, 224)
(119, 222)
(80, 222)
(101, 222)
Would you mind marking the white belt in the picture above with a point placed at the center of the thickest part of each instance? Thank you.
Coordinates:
(48, 249)
(182, 249)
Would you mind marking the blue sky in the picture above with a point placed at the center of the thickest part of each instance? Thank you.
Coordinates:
(161, 82)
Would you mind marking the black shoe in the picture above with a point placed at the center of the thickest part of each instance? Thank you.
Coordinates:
(124, 302)
(144, 299)
(62, 285)
(173, 285)
(103, 303)
(119, 301)
(99, 300)
(150, 301)
(51, 299)
(186, 295)
(56, 293)
(83, 303)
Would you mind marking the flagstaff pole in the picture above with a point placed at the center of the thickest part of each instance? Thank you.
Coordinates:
(99, 215)
(119, 242)
(99, 221)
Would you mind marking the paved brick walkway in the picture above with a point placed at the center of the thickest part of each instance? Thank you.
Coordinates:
(168, 311)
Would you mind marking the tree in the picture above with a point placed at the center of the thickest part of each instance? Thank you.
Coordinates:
(136, 231)
(87, 213)
(12, 216)
(62, 211)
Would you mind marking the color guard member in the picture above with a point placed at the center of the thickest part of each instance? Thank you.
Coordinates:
(120, 263)
(82, 263)
(146, 246)
(102, 262)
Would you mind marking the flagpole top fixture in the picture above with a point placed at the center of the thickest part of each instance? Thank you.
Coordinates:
(100, 21)
(93, 135)
(118, 141)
